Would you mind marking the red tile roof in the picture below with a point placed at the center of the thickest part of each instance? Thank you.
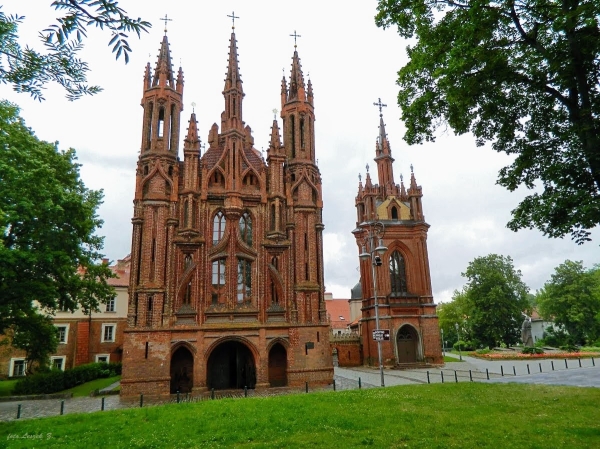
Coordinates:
(121, 269)
(338, 312)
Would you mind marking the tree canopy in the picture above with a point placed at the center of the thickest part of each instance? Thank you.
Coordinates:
(29, 70)
(452, 313)
(522, 75)
(49, 252)
(492, 301)
(571, 299)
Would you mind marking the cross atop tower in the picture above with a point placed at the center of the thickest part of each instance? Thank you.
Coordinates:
(233, 17)
(295, 36)
(166, 19)
(381, 105)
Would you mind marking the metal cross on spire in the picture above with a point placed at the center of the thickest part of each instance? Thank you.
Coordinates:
(166, 19)
(233, 17)
(381, 105)
(295, 36)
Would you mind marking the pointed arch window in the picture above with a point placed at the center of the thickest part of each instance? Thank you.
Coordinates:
(186, 210)
(218, 227)
(244, 280)
(246, 228)
(149, 125)
(273, 217)
(218, 281)
(218, 272)
(394, 213)
(161, 121)
(172, 126)
(274, 294)
(188, 294)
(397, 274)
(293, 135)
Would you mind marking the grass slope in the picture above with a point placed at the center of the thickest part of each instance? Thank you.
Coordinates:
(86, 388)
(425, 416)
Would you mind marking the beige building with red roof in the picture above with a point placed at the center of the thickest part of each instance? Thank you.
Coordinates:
(338, 313)
(83, 338)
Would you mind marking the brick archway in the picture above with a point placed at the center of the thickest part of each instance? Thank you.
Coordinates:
(182, 370)
(278, 366)
(407, 344)
(231, 365)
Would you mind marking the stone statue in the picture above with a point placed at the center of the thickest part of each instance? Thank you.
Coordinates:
(526, 332)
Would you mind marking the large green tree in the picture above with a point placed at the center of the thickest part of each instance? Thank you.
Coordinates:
(571, 299)
(521, 74)
(49, 251)
(495, 298)
(29, 70)
(452, 313)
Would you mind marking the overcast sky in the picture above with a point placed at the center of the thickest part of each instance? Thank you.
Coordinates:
(351, 63)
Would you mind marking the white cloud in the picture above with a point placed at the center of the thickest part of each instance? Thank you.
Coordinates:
(351, 63)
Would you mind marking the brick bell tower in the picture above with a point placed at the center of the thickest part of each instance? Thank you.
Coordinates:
(403, 281)
(226, 286)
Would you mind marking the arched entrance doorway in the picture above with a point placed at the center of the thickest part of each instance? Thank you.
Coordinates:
(231, 365)
(182, 370)
(407, 342)
(278, 366)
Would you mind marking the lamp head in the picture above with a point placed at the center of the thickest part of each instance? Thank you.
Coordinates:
(381, 248)
(364, 255)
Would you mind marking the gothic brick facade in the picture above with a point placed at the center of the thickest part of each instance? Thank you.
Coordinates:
(226, 286)
(391, 218)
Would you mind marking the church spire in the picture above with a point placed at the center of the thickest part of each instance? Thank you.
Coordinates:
(383, 155)
(275, 143)
(296, 90)
(191, 141)
(147, 78)
(162, 103)
(233, 91)
(163, 71)
(233, 80)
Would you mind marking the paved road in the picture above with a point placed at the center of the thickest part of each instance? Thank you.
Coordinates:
(348, 378)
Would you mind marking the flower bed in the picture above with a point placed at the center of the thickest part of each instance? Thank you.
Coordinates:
(547, 355)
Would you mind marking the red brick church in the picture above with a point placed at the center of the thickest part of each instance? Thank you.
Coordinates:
(390, 219)
(226, 286)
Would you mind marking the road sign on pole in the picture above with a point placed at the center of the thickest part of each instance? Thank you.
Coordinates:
(381, 335)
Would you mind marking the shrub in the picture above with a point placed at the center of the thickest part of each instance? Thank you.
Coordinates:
(569, 348)
(56, 380)
(531, 350)
(463, 346)
(555, 337)
(483, 351)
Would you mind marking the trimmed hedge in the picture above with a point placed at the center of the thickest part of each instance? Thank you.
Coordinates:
(531, 350)
(56, 380)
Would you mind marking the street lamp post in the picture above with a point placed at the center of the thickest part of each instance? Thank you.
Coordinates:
(443, 347)
(458, 334)
(375, 230)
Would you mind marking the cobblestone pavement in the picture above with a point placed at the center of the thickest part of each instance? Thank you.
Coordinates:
(549, 372)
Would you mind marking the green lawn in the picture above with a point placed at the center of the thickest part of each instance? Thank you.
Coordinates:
(425, 416)
(451, 358)
(6, 387)
(86, 388)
